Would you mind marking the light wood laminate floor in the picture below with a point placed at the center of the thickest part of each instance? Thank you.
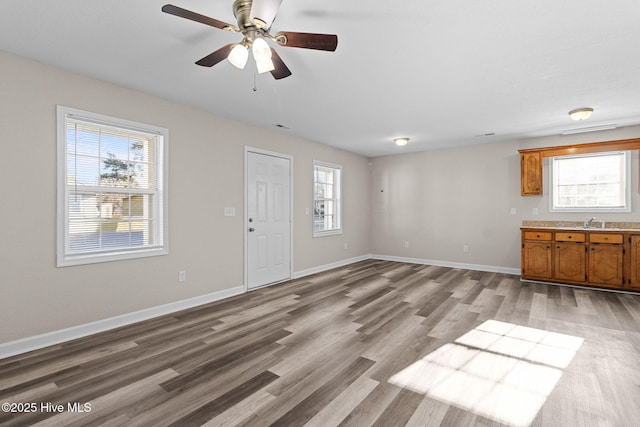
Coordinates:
(375, 343)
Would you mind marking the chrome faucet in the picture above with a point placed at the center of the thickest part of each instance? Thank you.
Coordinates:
(587, 222)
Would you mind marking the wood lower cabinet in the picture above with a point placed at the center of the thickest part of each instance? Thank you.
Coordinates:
(536, 254)
(634, 265)
(607, 259)
(536, 260)
(605, 265)
(570, 262)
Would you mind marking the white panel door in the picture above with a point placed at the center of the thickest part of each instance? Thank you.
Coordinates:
(268, 219)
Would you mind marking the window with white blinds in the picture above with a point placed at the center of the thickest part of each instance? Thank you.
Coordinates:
(327, 209)
(112, 201)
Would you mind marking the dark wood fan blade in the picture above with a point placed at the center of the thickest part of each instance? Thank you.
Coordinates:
(187, 14)
(215, 57)
(281, 70)
(307, 40)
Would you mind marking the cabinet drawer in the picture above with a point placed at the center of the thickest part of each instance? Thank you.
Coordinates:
(538, 235)
(570, 237)
(613, 239)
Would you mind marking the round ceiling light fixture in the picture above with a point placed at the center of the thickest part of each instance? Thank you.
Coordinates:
(580, 113)
(401, 142)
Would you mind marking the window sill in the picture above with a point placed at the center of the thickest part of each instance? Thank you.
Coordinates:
(326, 233)
(72, 260)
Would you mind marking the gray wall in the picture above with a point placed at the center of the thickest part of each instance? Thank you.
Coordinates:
(442, 200)
(206, 158)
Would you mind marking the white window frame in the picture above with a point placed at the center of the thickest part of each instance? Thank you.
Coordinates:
(593, 209)
(160, 206)
(337, 199)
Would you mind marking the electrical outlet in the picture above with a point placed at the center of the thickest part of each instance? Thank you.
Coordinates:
(346, 245)
(406, 243)
(514, 211)
(535, 211)
(465, 249)
(182, 276)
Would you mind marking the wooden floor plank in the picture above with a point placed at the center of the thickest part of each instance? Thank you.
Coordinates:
(321, 350)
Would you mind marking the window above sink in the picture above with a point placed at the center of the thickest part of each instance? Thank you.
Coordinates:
(597, 182)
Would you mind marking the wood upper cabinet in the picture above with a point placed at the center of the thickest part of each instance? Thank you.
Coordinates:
(570, 262)
(531, 173)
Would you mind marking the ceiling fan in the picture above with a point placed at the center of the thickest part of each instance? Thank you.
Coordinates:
(254, 22)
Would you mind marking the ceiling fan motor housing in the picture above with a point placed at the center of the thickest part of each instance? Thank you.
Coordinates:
(242, 11)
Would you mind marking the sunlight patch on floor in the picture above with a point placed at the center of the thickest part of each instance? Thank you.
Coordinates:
(498, 370)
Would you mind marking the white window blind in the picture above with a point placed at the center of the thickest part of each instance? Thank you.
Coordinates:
(112, 202)
(327, 201)
(590, 182)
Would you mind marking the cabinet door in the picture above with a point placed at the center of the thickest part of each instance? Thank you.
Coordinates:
(634, 281)
(605, 265)
(536, 260)
(570, 262)
(531, 174)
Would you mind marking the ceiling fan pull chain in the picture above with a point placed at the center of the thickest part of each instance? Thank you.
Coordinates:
(255, 84)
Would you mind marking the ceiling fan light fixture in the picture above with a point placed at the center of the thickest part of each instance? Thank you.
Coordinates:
(261, 50)
(254, 22)
(265, 65)
(580, 113)
(238, 56)
(401, 142)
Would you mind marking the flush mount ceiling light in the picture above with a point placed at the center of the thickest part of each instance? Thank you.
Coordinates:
(580, 113)
(401, 142)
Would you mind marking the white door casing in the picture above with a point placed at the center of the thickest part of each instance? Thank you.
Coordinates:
(267, 218)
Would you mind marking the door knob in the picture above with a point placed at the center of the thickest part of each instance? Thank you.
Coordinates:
(251, 229)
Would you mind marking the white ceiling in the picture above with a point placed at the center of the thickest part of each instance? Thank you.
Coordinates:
(443, 73)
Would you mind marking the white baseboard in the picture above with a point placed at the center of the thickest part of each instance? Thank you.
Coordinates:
(438, 263)
(56, 337)
(321, 268)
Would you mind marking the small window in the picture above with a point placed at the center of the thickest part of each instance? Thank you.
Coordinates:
(591, 183)
(111, 188)
(326, 199)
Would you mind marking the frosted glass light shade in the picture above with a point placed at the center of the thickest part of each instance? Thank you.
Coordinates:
(261, 50)
(265, 65)
(238, 56)
(401, 142)
(580, 113)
